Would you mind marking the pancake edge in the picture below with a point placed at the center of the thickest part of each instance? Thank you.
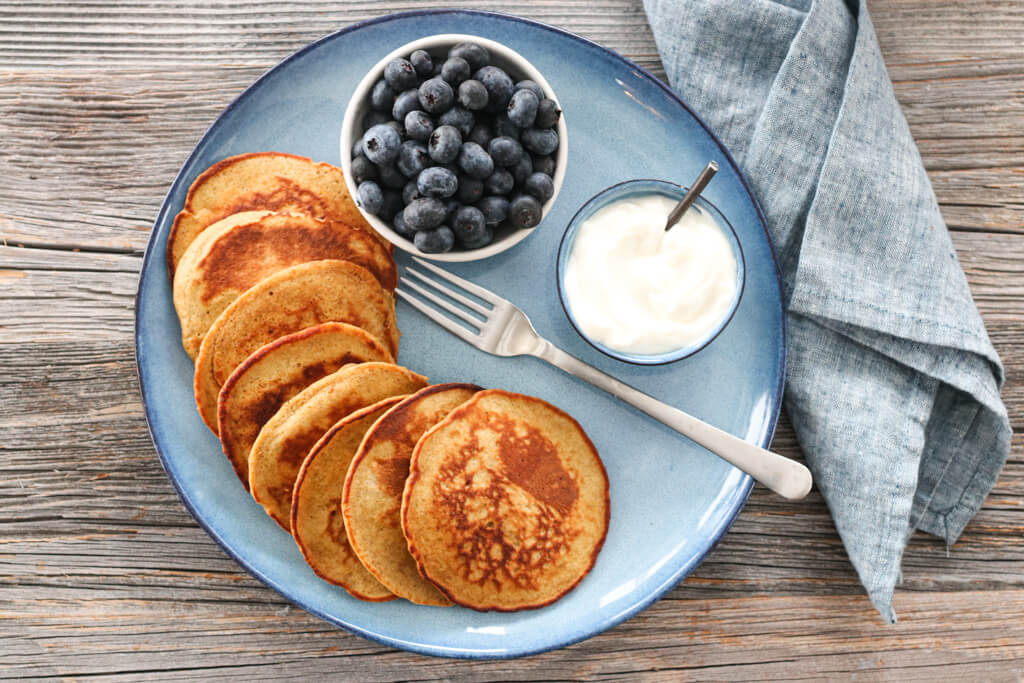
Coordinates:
(414, 476)
(261, 353)
(313, 452)
(361, 455)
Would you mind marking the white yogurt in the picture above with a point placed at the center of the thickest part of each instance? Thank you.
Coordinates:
(638, 289)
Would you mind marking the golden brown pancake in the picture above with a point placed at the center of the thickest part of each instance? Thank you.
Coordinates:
(265, 181)
(286, 439)
(276, 372)
(372, 501)
(317, 522)
(286, 302)
(506, 505)
(236, 252)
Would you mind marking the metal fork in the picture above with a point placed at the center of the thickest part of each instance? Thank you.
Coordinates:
(504, 330)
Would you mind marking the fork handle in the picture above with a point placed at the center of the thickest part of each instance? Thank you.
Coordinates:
(785, 477)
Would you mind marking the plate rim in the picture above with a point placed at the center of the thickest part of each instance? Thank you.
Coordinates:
(743, 490)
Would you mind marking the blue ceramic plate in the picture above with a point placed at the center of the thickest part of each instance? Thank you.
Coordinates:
(670, 500)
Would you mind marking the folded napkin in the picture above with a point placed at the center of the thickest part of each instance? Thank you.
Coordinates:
(892, 384)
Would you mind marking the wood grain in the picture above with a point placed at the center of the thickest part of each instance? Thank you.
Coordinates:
(103, 574)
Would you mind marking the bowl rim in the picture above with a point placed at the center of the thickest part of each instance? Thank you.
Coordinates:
(359, 96)
(569, 239)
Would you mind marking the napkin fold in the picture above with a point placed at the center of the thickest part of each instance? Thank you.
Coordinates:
(892, 383)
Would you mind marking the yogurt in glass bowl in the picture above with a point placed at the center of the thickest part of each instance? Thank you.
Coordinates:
(638, 293)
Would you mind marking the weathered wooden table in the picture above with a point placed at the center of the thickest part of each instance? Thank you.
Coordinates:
(104, 574)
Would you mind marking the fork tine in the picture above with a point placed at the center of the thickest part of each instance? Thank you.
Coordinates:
(464, 300)
(485, 294)
(442, 320)
(454, 310)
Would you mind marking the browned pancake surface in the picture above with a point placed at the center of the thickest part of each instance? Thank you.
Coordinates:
(235, 253)
(286, 439)
(506, 505)
(316, 516)
(263, 181)
(288, 301)
(276, 372)
(376, 479)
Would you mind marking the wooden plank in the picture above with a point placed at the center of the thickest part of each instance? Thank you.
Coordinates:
(756, 638)
(174, 77)
(104, 574)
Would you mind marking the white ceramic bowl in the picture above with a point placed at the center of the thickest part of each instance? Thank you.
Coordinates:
(437, 45)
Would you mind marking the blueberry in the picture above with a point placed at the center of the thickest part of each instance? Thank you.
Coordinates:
(481, 134)
(392, 204)
(475, 54)
(506, 151)
(374, 118)
(437, 182)
(357, 148)
(424, 214)
(455, 70)
(522, 170)
(477, 240)
(450, 207)
(532, 87)
(436, 96)
(412, 158)
(524, 211)
(470, 189)
(540, 186)
(399, 128)
(422, 62)
(468, 224)
(418, 125)
(444, 144)
(476, 162)
(437, 68)
(499, 182)
(522, 108)
(381, 143)
(400, 74)
(548, 114)
(505, 128)
(544, 164)
(435, 241)
(498, 84)
(410, 192)
(363, 169)
(406, 102)
(370, 197)
(390, 176)
(540, 140)
(462, 119)
(495, 209)
(382, 97)
(398, 223)
(472, 95)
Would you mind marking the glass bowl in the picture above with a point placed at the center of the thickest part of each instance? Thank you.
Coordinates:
(624, 190)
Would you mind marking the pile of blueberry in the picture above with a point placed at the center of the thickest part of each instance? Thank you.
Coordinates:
(455, 149)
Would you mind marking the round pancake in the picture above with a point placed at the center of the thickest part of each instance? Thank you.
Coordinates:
(264, 181)
(317, 522)
(236, 252)
(372, 500)
(288, 301)
(285, 440)
(276, 372)
(506, 505)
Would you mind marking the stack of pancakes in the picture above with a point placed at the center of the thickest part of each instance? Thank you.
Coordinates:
(391, 488)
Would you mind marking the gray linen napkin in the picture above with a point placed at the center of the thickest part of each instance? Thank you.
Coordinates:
(892, 383)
